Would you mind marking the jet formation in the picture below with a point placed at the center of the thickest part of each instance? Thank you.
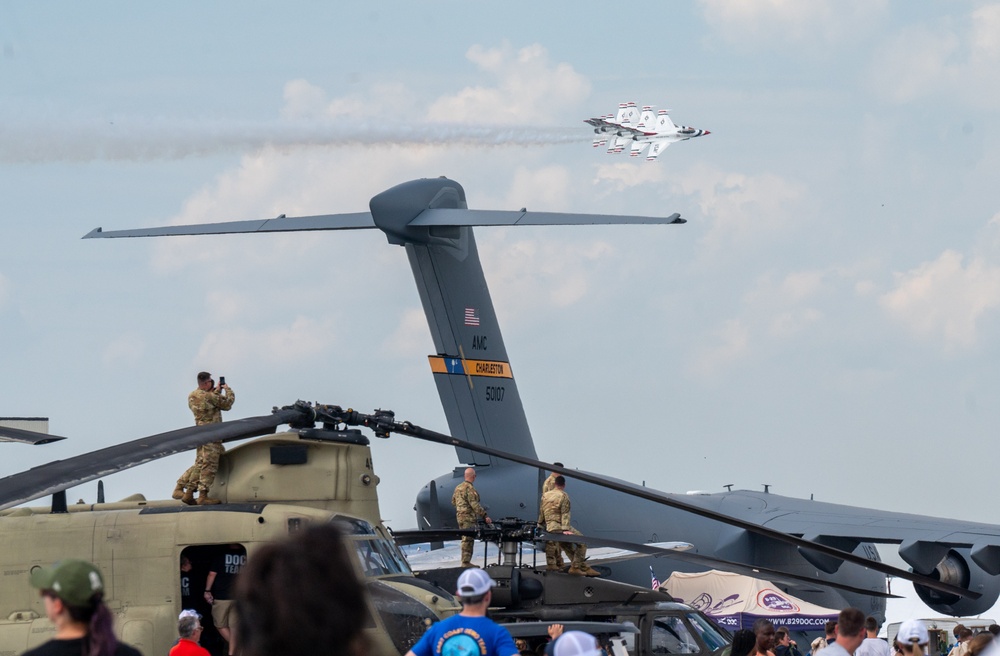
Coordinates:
(646, 128)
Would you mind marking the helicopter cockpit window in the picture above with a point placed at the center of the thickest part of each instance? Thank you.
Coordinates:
(397, 553)
(707, 631)
(669, 635)
(353, 526)
(378, 558)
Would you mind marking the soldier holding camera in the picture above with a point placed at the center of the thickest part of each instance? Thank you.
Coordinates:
(206, 403)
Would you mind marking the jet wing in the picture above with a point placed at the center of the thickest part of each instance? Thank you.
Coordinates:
(62, 474)
(655, 148)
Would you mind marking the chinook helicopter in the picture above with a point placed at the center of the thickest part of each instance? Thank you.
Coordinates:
(272, 485)
(955, 564)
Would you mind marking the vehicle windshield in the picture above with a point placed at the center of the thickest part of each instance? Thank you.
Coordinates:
(707, 631)
(669, 635)
(379, 557)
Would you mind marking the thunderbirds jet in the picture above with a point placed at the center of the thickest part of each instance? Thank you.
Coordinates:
(647, 128)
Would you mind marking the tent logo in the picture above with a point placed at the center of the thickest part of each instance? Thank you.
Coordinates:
(707, 605)
(702, 601)
(775, 601)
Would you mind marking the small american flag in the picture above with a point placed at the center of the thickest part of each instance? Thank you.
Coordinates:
(471, 316)
(656, 584)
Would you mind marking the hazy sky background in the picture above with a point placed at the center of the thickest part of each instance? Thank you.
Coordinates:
(826, 322)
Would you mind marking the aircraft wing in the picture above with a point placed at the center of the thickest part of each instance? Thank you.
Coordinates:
(350, 221)
(656, 147)
(62, 474)
(807, 517)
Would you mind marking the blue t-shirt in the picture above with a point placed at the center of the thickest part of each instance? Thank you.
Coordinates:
(466, 636)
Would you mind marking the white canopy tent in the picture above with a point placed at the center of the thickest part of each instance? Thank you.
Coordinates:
(735, 602)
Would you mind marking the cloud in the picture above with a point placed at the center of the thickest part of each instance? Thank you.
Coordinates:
(547, 188)
(617, 177)
(731, 343)
(410, 335)
(958, 59)
(768, 22)
(741, 208)
(945, 298)
(528, 88)
(772, 311)
(293, 343)
(532, 276)
(5, 286)
(125, 351)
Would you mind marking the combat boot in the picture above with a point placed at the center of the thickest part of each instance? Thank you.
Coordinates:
(178, 492)
(204, 500)
(576, 571)
(590, 571)
(188, 498)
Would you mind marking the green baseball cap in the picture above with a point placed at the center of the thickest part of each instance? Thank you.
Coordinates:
(73, 581)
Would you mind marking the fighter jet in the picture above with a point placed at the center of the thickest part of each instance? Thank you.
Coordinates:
(647, 128)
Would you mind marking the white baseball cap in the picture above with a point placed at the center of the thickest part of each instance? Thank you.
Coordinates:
(912, 631)
(576, 643)
(189, 613)
(474, 582)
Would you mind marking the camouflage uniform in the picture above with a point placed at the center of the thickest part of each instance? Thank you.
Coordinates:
(207, 407)
(550, 484)
(555, 511)
(467, 513)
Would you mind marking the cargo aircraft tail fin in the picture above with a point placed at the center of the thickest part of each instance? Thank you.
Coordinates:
(431, 220)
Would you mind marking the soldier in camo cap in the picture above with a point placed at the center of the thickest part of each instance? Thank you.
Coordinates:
(206, 403)
(467, 512)
(556, 512)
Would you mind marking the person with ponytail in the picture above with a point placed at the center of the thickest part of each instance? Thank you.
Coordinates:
(73, 594)
(912, 638)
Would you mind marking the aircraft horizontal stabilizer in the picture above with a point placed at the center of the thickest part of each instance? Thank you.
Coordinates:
(460, 217)
(349, 221)
(363, 220)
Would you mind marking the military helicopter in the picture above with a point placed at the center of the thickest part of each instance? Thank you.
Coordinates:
(956, 564)
(272, 485)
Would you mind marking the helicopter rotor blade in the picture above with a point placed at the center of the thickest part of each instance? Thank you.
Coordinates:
(8, 434)
(417, 536)
(753, 571)
(383, 423)
(62, 474)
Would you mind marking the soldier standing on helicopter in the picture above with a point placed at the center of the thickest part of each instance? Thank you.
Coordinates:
(206, 403)
(556, 512)
(467, 512)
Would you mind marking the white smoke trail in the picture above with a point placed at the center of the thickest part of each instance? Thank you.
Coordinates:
(145, 140)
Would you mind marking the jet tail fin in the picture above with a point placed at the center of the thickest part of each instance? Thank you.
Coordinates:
(663, 121)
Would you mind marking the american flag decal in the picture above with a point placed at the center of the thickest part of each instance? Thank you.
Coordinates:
(471, 316)
(656, 583)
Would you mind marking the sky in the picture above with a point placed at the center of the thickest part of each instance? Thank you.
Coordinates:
(826, 322)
